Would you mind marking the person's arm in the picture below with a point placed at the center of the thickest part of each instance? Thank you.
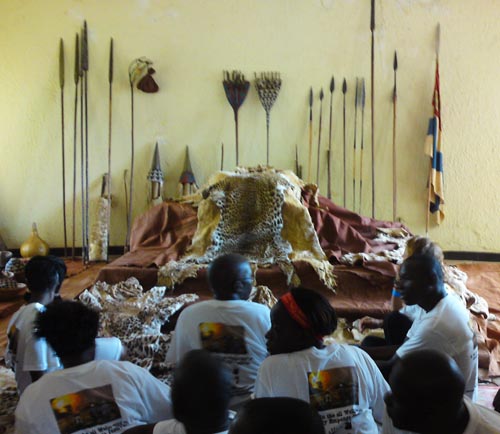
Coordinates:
(367, 322)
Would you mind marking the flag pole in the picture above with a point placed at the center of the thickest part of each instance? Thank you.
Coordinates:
(344, 90)
(429, 182)
(394, 160)
(372, 29)
(329, 161)
(63, 154)
(321, 96)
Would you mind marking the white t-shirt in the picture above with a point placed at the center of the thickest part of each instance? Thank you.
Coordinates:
(96, 397)
(26, 352)
(342, 382)
(446, 328)
(35, 354)
(482, 420)
(173, 426)
(234, 330)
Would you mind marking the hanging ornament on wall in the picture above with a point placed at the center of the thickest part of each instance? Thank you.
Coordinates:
(155, 175)
(236, 88)
(268, 86)
(141, 75)
(187, 181)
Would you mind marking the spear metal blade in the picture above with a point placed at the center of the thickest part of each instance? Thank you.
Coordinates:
(332, 84)
(61, 63)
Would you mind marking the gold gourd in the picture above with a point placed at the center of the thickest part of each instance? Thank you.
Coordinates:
(34, 245)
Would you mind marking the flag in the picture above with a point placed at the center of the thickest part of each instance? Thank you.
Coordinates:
(433, 148)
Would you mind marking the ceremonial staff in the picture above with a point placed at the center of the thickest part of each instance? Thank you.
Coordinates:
(321, 95)
(329, 162)
(76, 78)
(394, 172)
(344, 90)
(309, 162)
(110, 123)
(61, 85)
(356, 103)
(372, 29)
(82, 148)
(85, 68)
(363, 101)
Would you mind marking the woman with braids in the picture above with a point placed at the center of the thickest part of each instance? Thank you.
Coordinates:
(340, 381)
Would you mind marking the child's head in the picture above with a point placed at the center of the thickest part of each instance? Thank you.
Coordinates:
(423, 246)
(42, 276)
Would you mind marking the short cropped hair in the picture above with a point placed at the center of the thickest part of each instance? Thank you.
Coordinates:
(68, 326)
(42, 274)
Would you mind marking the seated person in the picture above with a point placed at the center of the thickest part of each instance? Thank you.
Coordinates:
(87, 395)
(201, 391)
(30, 357)
(444, 325)
(398, 322)
(340, 381)
(428, 398)
(277, 416)
(229, 326)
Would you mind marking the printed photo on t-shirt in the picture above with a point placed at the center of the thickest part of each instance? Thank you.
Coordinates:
(334, 393)
(222, 338)
(87, 410)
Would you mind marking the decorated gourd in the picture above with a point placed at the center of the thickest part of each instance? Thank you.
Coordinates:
(34, 245)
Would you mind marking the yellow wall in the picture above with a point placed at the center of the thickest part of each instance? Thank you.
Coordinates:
(192, 41)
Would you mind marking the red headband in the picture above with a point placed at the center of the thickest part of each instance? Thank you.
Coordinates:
(297, 314)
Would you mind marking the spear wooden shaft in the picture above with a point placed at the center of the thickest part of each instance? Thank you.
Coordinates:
(110, 123)
(63, 156)
(76, 78)
(363, 101)
(356, 103)
(222, 156)
(85, 67)
(394, 159)
(321, 96)
(132, 150)
(329, 161)
(372, 29)
(82, 152)
(309, 161)
(344, 90)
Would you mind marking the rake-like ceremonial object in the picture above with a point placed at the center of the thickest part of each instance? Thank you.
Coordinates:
(394, 159)
(268, 86)
(236, 88)
(321, 96)
(76, 78)
(329, 162)
(155, 175)
(63, 153)
(344, 91)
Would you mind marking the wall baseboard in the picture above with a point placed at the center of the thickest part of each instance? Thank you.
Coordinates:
(452, 255)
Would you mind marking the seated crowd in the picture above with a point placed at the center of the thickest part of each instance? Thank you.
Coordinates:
(241, 368)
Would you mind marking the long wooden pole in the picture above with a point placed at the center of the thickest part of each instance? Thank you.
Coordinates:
(372, 29)
(82, 151)
(329, 154)
(110, 124)
(394, 158)
(309, 161)
(321, 96)
(344, 91)
(76, 78)
(363, 103)
(356, 103)
(222, 156)
(85, 67)
(132, 150)
(63, 153)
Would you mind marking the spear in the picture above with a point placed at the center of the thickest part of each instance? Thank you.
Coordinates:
(82, 148)
(132, 151)
(321, 95)
(363, 101)
(85, 68)
(298, 168)
(222, 156)
(309, 161)
(76, 78)
(344, 91)
(394, 103)
(372, 29)
(61, 85)
(110, 122)
(356, 103)
(329, 162)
